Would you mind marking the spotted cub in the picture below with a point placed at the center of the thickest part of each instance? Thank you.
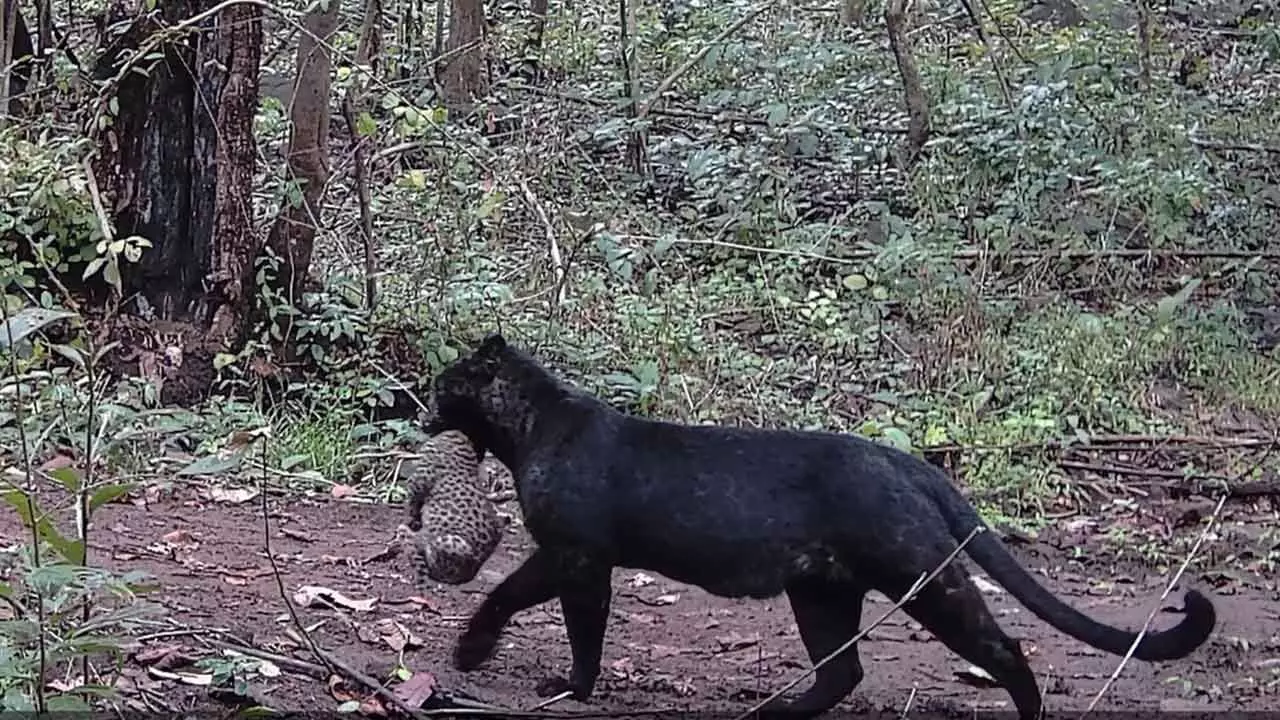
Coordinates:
(456, 527)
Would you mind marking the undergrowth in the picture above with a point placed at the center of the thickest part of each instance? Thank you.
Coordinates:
(1076, 255)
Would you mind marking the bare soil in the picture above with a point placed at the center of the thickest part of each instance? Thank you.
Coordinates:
(668, 645)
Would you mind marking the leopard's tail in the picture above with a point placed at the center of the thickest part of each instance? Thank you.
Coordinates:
(989, 552)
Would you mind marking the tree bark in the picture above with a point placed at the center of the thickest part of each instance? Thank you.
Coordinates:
(16, 56)
(853, 12)
(464, 77)
(292, 236)
(539, 10)
(176, 168)
(367, 55)
(912, 84)
(229, 285)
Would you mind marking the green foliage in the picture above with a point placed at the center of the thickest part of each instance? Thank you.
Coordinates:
(56, 609)
(776, 268)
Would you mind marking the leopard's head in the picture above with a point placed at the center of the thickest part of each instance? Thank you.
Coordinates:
(493, 394)
(466, 387)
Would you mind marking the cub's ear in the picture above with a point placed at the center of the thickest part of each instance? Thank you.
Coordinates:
(493, 344)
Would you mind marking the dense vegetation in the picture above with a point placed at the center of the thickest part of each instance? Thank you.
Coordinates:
(1083, 255)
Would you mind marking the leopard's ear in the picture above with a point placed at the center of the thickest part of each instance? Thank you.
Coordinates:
(492, 345)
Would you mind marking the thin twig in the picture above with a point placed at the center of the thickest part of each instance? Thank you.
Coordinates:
(319, 672)
(557, 264)
(1237, 147)
(1213, 519)
(697, 57)
(919, 584)
(28, 494)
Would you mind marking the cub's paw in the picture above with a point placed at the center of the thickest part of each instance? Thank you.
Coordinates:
(473, 649)
(553, 686)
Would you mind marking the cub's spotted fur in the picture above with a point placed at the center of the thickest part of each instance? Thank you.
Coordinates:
(456, 527)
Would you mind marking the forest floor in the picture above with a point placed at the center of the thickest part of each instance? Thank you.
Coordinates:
(667, 645)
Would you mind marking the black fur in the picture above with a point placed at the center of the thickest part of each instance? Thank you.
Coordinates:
(743, 513)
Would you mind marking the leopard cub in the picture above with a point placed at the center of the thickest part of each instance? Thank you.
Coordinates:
(456, 526)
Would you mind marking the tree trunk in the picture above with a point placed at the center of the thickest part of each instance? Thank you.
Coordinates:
(16, 56)
(853, 12)
(176, 167)
(293, 234)
(464, 77)
(912, 84)
(539, 10)
(238, 44)
(368, 54)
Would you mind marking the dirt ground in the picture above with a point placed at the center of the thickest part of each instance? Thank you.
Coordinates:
(668, 646)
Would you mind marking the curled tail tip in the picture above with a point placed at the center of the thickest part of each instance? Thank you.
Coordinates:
(1197, 624)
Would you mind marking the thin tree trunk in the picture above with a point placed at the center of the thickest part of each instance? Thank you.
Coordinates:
(234, 243)
(292, 236)
(912, 84)
(464, 78)
(853, 12)
(367, 55)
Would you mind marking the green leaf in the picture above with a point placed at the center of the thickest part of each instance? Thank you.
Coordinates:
(213, 465)
(93, 267)
(898, 439)
(66, 703)
(1167, 306)
(27, 321)
(17, 701)
(366, 126)
(108, 493)
(71, 353)
(67, 477)
(52, 578)
(855, 282)
(294, 460)
(69, 549)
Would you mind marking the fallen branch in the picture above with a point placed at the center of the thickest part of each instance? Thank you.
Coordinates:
(857, 257)
(1115, 443)
(1137, 471)
(318, 672)
(1236, 147)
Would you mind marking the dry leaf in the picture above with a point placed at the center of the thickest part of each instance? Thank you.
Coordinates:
(417, 689)
(164, 657)
(372, 707)
(317, 596)
(396, 635)
(986, 585)
(180, 538)
(977, 677)
(735, 641)
(55, 462)
(338, 691)
(640, 580)
(234, 496)
(296, 534)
